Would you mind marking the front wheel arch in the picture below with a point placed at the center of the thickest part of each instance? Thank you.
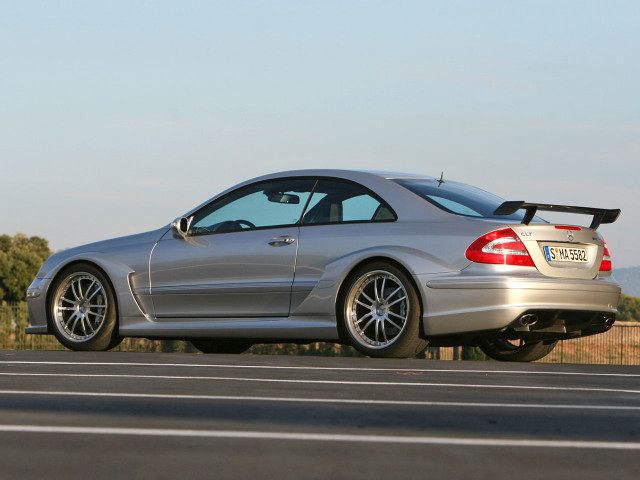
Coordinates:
(76, 263)
(93, 344)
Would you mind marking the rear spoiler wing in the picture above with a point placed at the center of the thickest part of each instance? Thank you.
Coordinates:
(600, 215)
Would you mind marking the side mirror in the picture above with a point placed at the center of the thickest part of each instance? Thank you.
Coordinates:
(181, 226)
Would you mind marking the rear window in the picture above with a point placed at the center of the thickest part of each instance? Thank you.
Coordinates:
(459, 199)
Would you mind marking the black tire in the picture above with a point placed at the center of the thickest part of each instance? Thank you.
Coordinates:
(380, 311)
(82, 309)
(505, 351)
(209, 345)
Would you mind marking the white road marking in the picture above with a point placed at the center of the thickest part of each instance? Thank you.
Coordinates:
(322, 437)
(324, 382)
(332, 401)
(283, 367)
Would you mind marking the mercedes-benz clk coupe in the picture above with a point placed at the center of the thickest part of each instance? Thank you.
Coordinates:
(385, 262)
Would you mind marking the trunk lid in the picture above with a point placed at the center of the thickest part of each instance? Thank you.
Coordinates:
(562, 251)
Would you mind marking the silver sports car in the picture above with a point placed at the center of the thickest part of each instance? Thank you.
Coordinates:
(385, 262)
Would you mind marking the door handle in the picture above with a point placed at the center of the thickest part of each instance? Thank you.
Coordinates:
(282, 241)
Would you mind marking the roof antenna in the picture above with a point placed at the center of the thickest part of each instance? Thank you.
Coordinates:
(441, 181)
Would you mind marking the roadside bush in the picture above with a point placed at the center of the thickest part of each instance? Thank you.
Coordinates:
(629, 309)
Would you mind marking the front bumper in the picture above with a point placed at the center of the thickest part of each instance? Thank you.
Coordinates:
(472, 303)
(37, 305)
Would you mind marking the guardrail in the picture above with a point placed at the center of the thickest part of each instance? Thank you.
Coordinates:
(618, 346)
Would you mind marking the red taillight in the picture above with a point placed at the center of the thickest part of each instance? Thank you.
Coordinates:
(605, 266)
(567, 227)
(501, 247)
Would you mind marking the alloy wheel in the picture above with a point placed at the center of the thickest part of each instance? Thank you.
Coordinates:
(377, 309)
(80, 306)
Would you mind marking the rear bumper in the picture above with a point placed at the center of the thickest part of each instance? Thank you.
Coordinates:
(469, 303)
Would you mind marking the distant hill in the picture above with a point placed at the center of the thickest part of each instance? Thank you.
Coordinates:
(629, 278)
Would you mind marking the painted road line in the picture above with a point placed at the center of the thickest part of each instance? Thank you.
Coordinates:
(333, 401)
(321, 382)
(338, 369)
(321, 437)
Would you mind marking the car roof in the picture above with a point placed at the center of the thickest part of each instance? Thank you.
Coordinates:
(403, 201)
(342, 173)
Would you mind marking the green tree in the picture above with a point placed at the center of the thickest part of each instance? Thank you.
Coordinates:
(20, 260)
(629, 309)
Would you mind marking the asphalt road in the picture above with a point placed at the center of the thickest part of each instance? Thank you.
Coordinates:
(123, 415)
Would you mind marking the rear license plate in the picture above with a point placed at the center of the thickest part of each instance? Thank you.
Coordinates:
(565, 254)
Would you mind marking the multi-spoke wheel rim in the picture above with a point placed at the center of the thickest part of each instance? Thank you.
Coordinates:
(80, 306)
(377, 309)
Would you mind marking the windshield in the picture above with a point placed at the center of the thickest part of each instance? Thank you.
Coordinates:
(459, 199)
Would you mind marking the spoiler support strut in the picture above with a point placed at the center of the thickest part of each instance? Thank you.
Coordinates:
(600, 215)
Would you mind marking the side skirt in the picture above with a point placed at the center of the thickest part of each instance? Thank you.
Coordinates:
(293, 328)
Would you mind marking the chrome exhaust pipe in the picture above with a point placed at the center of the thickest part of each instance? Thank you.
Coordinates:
(528, 320)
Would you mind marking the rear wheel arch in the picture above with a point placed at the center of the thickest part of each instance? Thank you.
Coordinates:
(505, 351)
(402, 348)
(371, 260)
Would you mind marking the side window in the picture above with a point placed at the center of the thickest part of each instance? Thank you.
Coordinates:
(338, 202)
(262, 205)
(455, 207)
(362, 207)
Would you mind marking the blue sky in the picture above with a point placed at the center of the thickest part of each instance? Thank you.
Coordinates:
(116, 117)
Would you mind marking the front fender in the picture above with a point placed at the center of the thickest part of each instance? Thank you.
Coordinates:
(120, 275)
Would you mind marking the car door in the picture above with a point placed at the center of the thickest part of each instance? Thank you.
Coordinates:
(238, 259)
(341, 217)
